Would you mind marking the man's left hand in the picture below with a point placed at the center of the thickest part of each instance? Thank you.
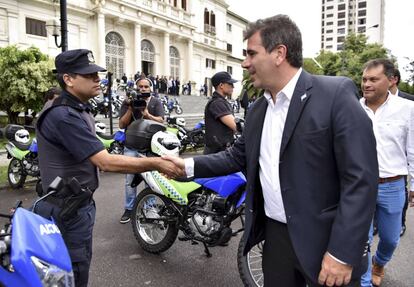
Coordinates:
(411, 198)
(334, 273)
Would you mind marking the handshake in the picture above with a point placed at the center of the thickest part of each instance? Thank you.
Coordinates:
(170, 166)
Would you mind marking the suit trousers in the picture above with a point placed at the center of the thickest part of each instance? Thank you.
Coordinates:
(280, 264)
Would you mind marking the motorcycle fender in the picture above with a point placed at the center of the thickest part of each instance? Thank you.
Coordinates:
(16, 152)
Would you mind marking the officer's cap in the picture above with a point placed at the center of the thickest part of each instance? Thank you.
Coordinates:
(79, 61)
(222, 77)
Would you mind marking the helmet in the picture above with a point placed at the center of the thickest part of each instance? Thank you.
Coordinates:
(100, 128)
(22, 136)
(164, 143)
(180, 122)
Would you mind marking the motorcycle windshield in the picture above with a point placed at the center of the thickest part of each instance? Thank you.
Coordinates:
(223, 185)
(33, 235)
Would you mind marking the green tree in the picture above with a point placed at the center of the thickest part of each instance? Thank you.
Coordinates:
(350, 61)
(248, 86)
(24, 77)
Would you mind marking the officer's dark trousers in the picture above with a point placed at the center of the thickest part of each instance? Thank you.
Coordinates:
(280, 265)
(77, 234)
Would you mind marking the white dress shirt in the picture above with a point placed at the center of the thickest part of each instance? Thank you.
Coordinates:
(271, 141)
(393, 124)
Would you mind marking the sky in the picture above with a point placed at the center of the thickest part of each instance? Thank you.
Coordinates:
(398, 25)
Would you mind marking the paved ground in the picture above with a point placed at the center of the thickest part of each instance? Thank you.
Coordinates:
(119, 261)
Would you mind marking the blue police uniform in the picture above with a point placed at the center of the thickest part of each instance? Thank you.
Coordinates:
(66, 140)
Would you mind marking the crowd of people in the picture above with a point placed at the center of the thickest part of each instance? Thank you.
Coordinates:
(320, 163)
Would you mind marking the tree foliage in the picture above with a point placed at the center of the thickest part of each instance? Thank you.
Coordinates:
(350, 60)
(248, 86)
(24, 77)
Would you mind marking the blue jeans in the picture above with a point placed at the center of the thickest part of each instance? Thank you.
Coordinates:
(390, 202)
(130, 192)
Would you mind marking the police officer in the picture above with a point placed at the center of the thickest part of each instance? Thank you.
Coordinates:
(68, 148)
(153, 110)
(218, 115)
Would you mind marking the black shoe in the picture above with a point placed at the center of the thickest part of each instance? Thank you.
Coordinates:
(126, 217)
(403, 228)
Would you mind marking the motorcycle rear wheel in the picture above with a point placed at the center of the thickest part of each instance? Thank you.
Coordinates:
(250, 266)
(154, 237)
(15, 174)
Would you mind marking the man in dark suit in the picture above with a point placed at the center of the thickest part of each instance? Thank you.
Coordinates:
(395, 81)
(311, 165)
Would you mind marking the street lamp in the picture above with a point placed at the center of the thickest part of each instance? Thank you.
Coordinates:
(53, 27)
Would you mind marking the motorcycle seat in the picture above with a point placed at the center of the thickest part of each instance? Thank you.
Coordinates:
(21, 146)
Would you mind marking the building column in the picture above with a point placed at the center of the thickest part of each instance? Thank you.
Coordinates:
(137, 48)
(190, 60)
(166, 53)
(101, 40)
(13, 23)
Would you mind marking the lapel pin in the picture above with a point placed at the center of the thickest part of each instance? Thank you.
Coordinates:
(303, 97)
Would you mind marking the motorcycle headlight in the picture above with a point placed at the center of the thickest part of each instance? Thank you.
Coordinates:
(51, 275)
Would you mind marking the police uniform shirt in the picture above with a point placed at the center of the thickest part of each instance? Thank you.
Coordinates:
(66, 141)
(217, 132)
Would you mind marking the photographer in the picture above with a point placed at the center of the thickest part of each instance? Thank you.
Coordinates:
(139, 105)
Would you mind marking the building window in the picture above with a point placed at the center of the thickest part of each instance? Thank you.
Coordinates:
(228, 25)
(184, 4)
(340, 39)
(230, 70)
(147, 51)
(329, 31)
(329, 39)
(329, 8)
(340, 47)
(341, 22)
(341, 7)
(329, 15)
(361, 29)
(209, 22)
(229, 48)
(323, 30)
(341, 15)
(210, 63)
(362, 13)
(362, 21)
(329, 23)
(35, 27)
(115, 53)
(362, 5)
(329, 47)
(174, 62)
(341, 31)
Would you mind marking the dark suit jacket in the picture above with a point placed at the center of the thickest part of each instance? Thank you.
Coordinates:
(328, 172)
(405, 95)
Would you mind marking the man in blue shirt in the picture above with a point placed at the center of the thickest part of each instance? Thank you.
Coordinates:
(69, 148)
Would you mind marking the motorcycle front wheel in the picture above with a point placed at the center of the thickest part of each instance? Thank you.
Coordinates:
(250, 266)
(15, 174)
(153, 235)
(178, 110)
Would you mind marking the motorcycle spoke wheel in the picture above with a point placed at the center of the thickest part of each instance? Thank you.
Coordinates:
(154, 236)
(250, 266)
(15, 174)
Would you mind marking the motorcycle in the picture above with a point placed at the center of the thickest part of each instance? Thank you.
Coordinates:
(32, 250)
(113, 143)
(102, 107)
(171, 105)
(193, 139)
(23, 154)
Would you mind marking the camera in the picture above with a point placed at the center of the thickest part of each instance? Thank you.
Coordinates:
(137, 99)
